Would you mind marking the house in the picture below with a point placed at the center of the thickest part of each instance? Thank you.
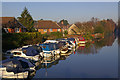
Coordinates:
(64, 27)
(47, 26)
(11, 25)
(73, 29)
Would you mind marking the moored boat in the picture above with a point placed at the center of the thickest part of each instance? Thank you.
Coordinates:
(50, 49)
(72, 40)
(63, 46)
(81, 40)
(27, 52)
(16, 67)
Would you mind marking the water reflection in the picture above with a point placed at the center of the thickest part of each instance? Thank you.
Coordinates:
(48, 62)
(94, 46)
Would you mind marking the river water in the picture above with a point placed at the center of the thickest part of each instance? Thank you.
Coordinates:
(98, 59)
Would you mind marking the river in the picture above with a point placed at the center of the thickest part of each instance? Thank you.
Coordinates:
(98, 59)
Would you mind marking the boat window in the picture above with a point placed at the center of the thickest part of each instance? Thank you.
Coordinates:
(17, 53)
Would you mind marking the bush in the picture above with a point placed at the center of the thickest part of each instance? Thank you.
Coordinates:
(65, 32)
(55, 35)
(14, 40)
(99, 29)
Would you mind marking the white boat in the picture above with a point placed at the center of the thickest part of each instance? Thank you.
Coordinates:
(70, 45)
(64, 50)
(16, 68)
(63, 46)
(26, 52)
(73, 41)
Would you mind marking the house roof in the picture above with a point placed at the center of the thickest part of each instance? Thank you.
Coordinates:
(5, 20)
(63, 26)
(46, 24)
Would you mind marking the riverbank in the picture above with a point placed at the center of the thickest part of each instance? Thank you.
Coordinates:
(15, 40)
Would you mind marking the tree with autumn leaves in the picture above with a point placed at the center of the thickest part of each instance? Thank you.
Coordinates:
(27, 20)
(97, 26)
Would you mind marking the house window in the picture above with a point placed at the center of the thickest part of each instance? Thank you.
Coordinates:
(45, 30)
(6, 30)
(16, 29)
(58, 29)
(51, 30)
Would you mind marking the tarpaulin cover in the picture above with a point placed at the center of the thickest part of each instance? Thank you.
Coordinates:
(16, 64)
(30, 51)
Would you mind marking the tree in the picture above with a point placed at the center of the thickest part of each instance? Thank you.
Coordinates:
(64, 22)
(99, 29)
(27, 20)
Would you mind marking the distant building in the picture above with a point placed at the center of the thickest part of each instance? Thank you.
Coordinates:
(64, 28)
(11, 25)
(73, 29)
(47, 26)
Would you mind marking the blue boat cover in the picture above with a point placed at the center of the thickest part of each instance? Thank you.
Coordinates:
(30, 51)
(49, 46)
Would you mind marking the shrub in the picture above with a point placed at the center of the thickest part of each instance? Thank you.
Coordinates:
(15, 40)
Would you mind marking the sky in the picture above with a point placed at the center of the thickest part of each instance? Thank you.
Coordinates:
(56, 11)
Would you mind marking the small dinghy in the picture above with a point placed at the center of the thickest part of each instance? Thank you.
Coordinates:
(64, 50)
(16, 68)
(63, 46)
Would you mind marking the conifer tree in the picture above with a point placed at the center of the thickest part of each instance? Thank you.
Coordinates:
(65, 22)
(27, 20)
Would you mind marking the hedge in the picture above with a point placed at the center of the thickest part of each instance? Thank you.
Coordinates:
(15, 40)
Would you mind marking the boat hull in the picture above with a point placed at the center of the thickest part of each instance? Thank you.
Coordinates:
(82, 42)
(64, 51)
(11, 75)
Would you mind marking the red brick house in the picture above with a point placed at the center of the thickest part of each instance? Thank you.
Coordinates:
(47, 26)
(11, 25)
